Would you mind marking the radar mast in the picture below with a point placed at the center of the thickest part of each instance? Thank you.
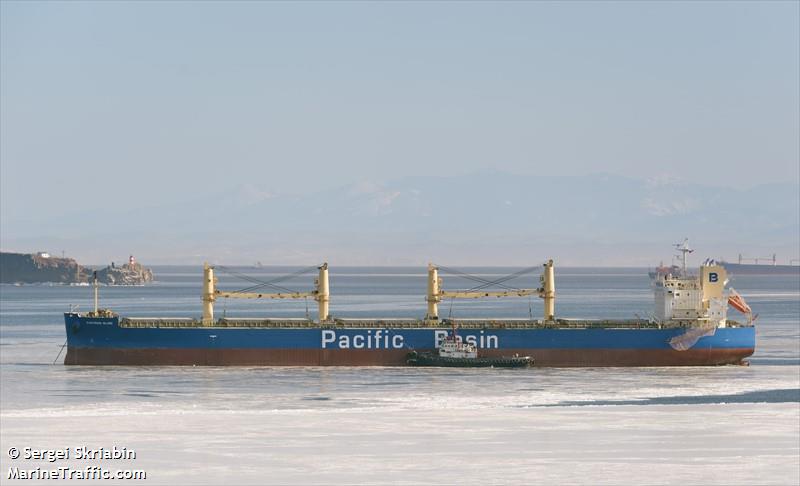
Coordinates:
(685, 250)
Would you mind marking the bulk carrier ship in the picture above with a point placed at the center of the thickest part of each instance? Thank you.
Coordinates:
(762, 266)
(689, 327)
(746, 266)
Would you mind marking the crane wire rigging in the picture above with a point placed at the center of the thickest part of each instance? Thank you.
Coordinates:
(266, 283)
(484, 283)
(506, 278)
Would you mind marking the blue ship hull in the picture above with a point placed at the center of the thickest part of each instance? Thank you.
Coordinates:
(104, 341)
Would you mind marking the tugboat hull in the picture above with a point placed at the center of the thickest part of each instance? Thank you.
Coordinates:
(427, 359)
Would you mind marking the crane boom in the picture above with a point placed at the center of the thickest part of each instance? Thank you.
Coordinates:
(254, 295)
(464, 294)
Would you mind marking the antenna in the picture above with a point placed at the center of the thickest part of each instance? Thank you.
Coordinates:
(685, 250)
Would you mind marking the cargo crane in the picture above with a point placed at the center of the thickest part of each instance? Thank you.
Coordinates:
(435, 293)
(321, 293)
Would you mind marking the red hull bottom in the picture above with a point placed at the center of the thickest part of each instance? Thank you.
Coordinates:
(326, 357)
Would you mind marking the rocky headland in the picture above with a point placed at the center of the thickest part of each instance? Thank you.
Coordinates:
(24, 268)
(132, 273)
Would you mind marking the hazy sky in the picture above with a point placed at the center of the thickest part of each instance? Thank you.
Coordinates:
(104, 103)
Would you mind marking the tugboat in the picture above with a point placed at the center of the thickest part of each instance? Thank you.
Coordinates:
(453, 352)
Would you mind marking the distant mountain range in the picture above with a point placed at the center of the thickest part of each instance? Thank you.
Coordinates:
(484, 218)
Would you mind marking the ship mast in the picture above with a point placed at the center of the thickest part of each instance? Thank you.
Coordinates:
(96, 297)
(685, 250)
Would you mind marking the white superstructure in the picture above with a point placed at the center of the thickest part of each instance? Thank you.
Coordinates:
(451, 346)
(692, 299)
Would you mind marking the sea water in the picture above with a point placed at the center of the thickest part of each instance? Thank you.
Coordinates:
(269, 425)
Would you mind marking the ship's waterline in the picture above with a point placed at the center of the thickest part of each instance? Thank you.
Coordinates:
(387, 357)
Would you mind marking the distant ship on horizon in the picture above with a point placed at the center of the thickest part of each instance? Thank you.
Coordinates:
(745, 266)
(770, 267)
